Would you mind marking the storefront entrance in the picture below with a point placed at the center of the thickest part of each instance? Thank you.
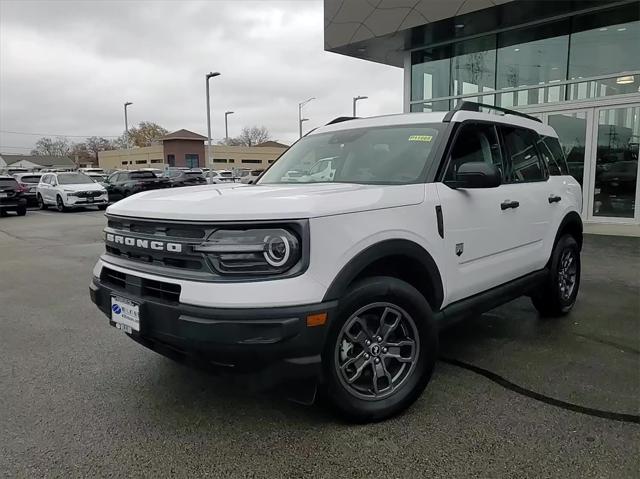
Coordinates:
(602, 145)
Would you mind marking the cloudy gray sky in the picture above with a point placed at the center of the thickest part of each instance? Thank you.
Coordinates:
(67, 67)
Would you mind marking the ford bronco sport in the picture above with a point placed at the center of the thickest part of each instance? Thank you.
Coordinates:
(340, 277)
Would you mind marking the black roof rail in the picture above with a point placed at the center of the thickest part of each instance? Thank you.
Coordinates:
(340, 119)
(473, 106)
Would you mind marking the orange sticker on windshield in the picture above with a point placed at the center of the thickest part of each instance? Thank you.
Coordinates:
(426, 138)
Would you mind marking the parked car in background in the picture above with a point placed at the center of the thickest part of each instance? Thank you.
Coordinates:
(220, 176)
(12, 197)
(185, 177)
(87, 171)
(126, 183)
(97, 177)
(70, 190)
(29, 183)
(251, 177)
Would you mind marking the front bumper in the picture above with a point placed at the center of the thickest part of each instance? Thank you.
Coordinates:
(270, 346)
(78, 201)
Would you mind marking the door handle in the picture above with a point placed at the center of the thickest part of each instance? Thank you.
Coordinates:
(554, 198)
(505, 205)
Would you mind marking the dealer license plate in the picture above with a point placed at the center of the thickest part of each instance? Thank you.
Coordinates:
(125, 314)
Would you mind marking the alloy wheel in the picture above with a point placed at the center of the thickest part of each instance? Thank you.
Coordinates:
(59, 204)
(567, 273)
(376, 351)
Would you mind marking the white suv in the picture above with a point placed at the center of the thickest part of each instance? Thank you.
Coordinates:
(344, 282)
(70, 190)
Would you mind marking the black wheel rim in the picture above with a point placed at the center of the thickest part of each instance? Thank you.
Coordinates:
(40, 202)
(567, 273)
(60, 204)
(376, 351)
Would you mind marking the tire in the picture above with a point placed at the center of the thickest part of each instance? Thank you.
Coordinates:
(21, 211)
(3, 213)
(60, 204)
(558, 295)
(102, 207)
(41, 204)
(353, 353)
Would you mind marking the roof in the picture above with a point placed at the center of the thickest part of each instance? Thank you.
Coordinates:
(418, 118)
(42, 160)
(274, 144)
(183, 135)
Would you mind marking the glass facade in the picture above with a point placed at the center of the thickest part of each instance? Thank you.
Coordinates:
(529, 57)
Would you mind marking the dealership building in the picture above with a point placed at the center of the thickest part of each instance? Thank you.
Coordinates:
(573, 64)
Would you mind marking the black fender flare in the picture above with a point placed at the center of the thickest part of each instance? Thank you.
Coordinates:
(386, 248)
(572, 222)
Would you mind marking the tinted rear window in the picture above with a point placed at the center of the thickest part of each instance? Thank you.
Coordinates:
(30, 179)
(554, 155)
(142, 175)
(4, 182)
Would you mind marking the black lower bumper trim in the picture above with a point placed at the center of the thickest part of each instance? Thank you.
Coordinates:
(270, 345)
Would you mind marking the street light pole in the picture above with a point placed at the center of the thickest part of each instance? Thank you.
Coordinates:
(355, 99)
(126, 122)
(226, 126)
(209, 147)
(300, 119)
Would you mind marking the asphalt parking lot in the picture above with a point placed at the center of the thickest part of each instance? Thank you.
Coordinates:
(514, 396)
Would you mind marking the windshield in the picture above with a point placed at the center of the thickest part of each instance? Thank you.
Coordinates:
(73, 179)
(382, 155)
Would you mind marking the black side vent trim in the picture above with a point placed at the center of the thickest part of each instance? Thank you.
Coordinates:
(440, 220)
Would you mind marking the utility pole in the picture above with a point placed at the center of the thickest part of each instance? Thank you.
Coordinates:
(209, 148)
(300, 119)
(355, 99)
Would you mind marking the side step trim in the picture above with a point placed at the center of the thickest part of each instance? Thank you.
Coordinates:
(492, 298)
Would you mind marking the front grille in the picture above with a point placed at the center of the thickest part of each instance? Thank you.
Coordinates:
(138, 286)
(88, 194)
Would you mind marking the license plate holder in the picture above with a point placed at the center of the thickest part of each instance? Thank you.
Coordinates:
(125, 314)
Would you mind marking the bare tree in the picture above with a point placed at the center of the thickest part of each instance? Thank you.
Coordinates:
(143, 135)
(96, 144)
(251, 136)
(46, 146)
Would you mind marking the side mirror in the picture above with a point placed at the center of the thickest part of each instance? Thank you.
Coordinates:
(476, 175)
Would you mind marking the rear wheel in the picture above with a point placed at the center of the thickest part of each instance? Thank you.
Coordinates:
(381, 349)
(3, 213)
(558, 294)
(102, 207)
(41, 204)
(21, 211)
(60, 204)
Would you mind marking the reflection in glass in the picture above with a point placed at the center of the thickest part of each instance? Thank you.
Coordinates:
(572, 133)
(474, 66)
(430, 73)
(617, 162)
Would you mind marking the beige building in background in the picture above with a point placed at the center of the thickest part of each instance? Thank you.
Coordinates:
(224, 157)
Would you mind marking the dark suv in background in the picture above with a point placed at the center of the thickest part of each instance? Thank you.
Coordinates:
(179, 177)
(12, 197)
(125, 183)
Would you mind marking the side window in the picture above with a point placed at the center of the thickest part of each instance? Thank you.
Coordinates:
(114, 178)
(53, 180)
(553, 155)
(45, 179)
(476, 142)
(526, 164)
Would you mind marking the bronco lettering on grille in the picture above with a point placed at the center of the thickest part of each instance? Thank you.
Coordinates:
(143, 243)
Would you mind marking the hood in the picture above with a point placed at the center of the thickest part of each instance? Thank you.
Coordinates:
(83, 187)
(237, 202)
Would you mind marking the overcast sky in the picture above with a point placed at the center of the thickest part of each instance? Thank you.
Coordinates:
(68, 67)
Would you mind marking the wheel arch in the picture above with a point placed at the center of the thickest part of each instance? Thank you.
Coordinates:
(400, 258)
(570, 224)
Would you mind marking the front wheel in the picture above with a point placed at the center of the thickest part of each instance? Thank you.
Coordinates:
(558, 294)
(60, 204)
(381, 349)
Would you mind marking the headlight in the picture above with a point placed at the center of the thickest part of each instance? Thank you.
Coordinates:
(257, 251)
(70, 193)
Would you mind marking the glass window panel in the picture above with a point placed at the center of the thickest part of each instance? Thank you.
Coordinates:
(532, 56)
(442, 105)
(572, 133)
(617, 162)
(430, 73)
(525, 163)
(606, 42)
(474, 66)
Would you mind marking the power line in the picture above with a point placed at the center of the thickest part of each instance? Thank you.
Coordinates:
(55, 134)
